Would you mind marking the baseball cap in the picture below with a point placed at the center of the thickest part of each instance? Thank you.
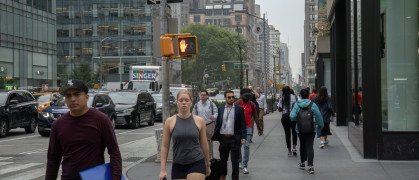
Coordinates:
(74, 84)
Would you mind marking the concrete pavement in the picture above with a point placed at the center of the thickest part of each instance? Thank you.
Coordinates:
(269, 160)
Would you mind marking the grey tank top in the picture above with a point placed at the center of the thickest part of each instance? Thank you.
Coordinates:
(185, 137)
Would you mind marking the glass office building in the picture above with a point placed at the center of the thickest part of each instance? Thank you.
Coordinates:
(27, 44)
(117, 33)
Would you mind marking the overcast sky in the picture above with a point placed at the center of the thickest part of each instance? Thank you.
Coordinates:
(287, 16)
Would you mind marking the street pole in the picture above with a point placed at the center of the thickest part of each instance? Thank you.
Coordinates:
(100, 61)
(265, 82)
(120, 71)
(165, 66)
(273, 77)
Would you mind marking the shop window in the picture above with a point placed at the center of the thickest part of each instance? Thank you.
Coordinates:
(399, 65)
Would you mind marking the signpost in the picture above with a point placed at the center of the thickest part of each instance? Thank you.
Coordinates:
(237, 66)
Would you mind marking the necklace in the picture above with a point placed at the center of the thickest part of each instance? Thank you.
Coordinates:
(244, 107)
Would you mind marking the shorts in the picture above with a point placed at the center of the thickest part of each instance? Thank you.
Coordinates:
(180, 171)
(325, 130)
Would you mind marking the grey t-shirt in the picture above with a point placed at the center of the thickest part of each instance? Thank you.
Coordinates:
(185, 136)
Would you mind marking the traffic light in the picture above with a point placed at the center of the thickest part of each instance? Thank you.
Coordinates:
(187, 45)
(166, 46)
(223, 67)
(277, 67)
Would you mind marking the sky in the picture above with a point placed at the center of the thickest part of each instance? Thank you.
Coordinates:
(287, 16)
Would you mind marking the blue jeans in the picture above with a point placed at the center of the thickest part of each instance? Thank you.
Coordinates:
(246, 148)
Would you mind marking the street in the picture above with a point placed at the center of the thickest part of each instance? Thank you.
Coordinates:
(24, 156)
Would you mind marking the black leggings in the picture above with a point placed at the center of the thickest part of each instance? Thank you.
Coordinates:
(306, 147)
(288, 128)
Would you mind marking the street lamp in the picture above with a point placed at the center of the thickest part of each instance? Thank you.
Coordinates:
(100, 61)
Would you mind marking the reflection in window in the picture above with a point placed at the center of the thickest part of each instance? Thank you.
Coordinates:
(110, 68)
(107, 30)
(83, 32)
(135, 29)
(130, 11)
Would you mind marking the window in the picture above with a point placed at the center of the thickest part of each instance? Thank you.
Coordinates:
(238, 18)
(196, 18)
(63, 33)
(208, 21)
(226, 21)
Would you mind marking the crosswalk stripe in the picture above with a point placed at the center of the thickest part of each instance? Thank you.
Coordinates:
(35, 151)
(18, 168)
(5, 163)
(4, 158)
(32, 174)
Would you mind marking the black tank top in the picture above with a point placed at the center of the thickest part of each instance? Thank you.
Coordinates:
(185, 136)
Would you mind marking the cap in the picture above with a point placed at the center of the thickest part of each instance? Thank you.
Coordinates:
(74, 84)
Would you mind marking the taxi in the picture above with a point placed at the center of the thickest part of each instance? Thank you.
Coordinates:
(45, 98)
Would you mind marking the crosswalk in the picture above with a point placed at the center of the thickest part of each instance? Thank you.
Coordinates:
(21, 171)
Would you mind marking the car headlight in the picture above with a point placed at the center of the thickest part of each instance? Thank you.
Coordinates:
(42, 105)
(45, 114)
(129, 110)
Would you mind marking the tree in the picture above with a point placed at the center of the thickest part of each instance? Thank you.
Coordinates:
(215, 45)
(323, 24)
(85, 73)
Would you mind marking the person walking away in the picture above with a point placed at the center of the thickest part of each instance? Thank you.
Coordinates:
(190, 146)
(314, 93)
(303, 112)
(285, 105)
(253, 97)
(80, 136)
(230, 131)
(208, 111)
(262, 107)
(249, 111)
(357, 105)
(324, 103)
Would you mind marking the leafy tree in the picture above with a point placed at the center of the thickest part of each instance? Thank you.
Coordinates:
(85, 73)
(215, 45)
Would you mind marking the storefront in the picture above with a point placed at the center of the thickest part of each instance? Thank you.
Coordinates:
(375, 49)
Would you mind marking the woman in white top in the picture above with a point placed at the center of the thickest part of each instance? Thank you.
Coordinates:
(285, 105)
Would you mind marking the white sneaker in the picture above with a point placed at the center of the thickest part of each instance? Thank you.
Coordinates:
(321, 146)
(240, 165)
(245, 171)
(326, 142)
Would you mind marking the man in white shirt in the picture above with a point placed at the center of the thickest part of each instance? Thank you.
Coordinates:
(208, 111)
(262, 106)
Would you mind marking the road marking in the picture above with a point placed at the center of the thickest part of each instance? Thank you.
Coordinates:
(17, 138)
(141, 133)
(18, 168)
(34, 151)
(5, 163)
(128, 132)
(32, 174)
(4, 158)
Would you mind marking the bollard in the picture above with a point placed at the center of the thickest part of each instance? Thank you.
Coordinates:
(159, 136)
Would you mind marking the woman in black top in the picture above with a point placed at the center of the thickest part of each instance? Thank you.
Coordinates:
(285, 105)
(190, 146)
(324, 103)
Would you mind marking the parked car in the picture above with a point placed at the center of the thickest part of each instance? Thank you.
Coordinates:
(45, 99)
(134, 108)
(18, 108)
(158, 98)
(100, 101)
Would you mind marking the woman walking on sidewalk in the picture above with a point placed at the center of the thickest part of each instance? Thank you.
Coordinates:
(190, 146)
(285, 106)
(303, 113)
(324, 103)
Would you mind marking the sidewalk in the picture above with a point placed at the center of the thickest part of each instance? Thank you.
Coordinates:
(269, 160)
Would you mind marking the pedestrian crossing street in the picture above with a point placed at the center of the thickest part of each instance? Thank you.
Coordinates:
(20, 171)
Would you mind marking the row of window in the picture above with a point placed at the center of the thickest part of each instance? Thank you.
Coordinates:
(113, 11)
(108, 30)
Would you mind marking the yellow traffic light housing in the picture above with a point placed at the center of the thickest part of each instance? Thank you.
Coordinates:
(166, 46)
(223, 67)
(277, 67)
(188, 45)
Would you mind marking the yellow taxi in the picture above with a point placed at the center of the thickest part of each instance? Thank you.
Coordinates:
(45, 98)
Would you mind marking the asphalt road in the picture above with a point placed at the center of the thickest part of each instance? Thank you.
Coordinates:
(23, 156)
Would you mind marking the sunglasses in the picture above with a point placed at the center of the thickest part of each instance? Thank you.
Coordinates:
(230, 97)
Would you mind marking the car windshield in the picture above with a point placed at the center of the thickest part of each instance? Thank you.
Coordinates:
(158, 98)
(3, 98)
(43, 97)
(124, 98)
(61, 101)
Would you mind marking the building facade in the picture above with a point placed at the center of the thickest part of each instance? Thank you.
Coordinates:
(310, 25)
(387, 127)
(110, 35)
(27, 45)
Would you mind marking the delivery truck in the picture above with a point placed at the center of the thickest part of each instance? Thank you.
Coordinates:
(145, 78)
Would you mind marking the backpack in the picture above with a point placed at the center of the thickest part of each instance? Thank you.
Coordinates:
(251, 104)
(211, 106)
(305, 119)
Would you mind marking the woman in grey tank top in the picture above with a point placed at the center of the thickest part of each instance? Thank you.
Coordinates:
(190, 146)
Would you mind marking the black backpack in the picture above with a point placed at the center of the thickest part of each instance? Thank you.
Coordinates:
(305, 120)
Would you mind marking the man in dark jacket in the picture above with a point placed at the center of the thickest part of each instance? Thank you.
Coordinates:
(230, 131)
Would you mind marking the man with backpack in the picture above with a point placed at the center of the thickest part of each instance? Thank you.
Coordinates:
(303, 113)
(209, 112)
(249, 111)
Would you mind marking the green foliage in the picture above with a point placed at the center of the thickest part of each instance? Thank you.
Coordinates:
(85, 73)
(215, 45)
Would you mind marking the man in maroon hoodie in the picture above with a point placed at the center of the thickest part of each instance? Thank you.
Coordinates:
(79, 137)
